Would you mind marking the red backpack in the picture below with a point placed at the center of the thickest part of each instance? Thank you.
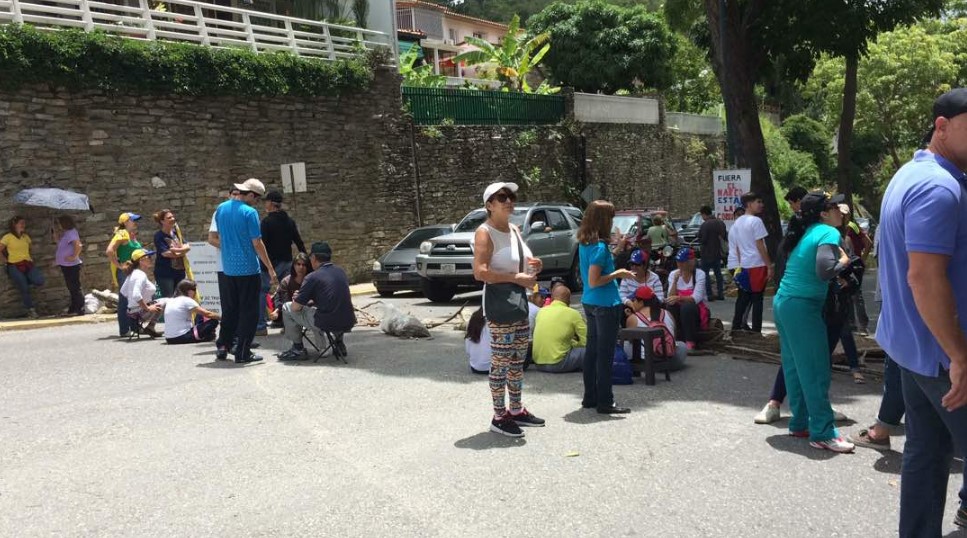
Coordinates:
(664, 347)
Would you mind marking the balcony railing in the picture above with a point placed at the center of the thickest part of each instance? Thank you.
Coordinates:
(199, 23)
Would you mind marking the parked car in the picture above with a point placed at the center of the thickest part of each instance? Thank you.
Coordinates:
(396, 270)
(689, 233)
(445, 263)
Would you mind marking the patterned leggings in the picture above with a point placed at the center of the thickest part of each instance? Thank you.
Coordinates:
(508, 344)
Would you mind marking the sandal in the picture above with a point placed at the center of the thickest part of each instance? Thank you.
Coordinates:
(863, 439)
(858, 378)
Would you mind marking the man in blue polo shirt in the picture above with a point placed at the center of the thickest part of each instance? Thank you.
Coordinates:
(240, 238)
(923, 278)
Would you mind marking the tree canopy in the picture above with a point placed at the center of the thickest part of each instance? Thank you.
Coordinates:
(599, 47)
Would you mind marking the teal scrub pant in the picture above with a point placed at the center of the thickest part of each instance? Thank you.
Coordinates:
(805, 361)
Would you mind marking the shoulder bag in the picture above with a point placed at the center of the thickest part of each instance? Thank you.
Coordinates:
(506, 302)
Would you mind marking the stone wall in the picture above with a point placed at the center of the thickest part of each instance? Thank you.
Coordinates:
(371, 175)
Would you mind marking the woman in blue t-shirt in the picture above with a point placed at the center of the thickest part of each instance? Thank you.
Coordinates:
(602, 305)
(814, 257)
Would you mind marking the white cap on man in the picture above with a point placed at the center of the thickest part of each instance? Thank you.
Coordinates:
(251, 185)
(494, 188)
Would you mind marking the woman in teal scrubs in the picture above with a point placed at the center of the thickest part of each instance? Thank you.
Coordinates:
(814, 257)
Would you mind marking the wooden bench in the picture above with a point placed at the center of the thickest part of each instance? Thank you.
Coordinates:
(644, 361)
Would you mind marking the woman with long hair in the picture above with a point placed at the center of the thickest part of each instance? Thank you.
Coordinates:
(68, 258)
(123, 243)
(179, 327)
(686, 297)
(15, 253)
(602, 305)
(501, 258)
(290, 285)
(813, 258)
(169, 270)
(139, 291)
(477, 343)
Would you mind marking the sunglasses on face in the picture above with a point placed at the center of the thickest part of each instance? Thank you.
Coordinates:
(503, 197)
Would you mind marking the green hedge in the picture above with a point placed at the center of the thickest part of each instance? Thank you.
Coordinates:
(80, 60)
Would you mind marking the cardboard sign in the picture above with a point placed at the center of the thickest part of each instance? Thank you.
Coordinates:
(728, 186)
(205, 263)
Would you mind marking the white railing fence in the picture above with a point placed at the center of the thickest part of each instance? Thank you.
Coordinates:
(694, 123)
(199, 23)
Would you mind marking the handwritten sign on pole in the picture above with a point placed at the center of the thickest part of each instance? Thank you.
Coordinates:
(728, 186)
(205, 263)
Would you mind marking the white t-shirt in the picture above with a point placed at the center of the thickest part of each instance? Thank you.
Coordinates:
(697, 285)
(532, 310)
(178, 315)
(218, 257)
(479, 352)
(137, 287)
(746, 230)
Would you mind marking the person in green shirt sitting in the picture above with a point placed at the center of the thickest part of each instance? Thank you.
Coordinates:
(560, 335)
(658, 234)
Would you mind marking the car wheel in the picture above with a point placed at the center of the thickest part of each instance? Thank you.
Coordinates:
(384, 292)
(574, 276)
(437, 292)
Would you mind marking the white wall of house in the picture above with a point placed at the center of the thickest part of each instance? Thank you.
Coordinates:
(458, 30)
(591, 108)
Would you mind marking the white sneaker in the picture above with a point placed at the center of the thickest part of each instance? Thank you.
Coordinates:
(836, 444)
(838, 417)
(768, 415)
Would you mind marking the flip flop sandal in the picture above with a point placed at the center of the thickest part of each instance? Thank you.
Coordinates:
(863, 439)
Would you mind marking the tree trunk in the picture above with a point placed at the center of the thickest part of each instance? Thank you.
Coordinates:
(737, 76)
(846, 118)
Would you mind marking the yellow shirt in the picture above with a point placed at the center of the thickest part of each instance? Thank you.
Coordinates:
(558, 329)
(18, 248)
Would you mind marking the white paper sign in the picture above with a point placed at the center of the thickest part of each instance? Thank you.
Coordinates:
(293, 177)
(205, 263)
(728, 186)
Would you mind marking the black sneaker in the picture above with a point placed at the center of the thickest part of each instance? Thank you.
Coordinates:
(221, 354)
(525, 418)
(294, 354)
(506, 426)
(250, 358)
(961, 518)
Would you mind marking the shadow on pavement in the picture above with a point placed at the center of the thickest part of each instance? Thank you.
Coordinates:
(488, 440)
(227, 365)
(795, 445)
(891, 462)
(590, 416)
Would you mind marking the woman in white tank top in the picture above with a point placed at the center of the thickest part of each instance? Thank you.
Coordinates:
(497, 251)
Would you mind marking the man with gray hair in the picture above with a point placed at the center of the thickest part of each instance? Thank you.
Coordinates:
(323, 302)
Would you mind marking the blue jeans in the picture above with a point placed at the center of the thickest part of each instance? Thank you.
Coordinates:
(713, 265)
(933, 436)
(602, 338)
(124, 322)
(22, 281)
(891, 405)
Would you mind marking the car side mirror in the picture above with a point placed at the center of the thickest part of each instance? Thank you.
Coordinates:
(538, 227)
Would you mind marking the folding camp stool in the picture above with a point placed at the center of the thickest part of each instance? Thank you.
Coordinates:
(332, 342)
(137, 324)
(643, 359)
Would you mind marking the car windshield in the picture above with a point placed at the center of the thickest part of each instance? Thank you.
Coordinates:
(418, 236)
(624, 222)
(696, 221)
(472, 221)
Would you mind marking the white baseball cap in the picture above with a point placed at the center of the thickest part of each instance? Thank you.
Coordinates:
(251, 185)
(493, 188)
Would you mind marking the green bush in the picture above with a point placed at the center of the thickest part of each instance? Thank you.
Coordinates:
(79, 60)
(811, 136)
(789, 167)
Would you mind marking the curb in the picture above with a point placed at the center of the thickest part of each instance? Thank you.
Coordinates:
(362, 289)
(22, 325)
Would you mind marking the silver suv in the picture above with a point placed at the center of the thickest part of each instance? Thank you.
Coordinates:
(445, 263)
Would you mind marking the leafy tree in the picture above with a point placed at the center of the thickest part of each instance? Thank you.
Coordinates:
(515, 56)
(419, 76)
(788, 166)
(600, 47)
(806, 134)
(694, 88)
(504, 10)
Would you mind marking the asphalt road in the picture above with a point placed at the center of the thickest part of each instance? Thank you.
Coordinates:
(106, 437)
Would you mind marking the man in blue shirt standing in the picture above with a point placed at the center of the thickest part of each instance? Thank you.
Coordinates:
(923, 278)
(240, 238)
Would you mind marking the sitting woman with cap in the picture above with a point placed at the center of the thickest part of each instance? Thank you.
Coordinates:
(119, 250)
(139, 291)
(686, 297)
(179, 327)
(647, 311)
(638, 264)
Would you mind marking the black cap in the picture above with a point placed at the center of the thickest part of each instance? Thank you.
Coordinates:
(818, 201)
(948, 105)
(796, 194)
(274, 196)
(322, 248)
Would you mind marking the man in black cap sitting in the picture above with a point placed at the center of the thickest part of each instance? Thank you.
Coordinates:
(323, 302)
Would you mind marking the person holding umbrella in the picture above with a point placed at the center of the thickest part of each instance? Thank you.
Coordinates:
(68, 258)
(15, 253)
(119, 250)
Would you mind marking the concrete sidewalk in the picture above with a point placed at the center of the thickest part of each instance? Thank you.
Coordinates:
(58, 321)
